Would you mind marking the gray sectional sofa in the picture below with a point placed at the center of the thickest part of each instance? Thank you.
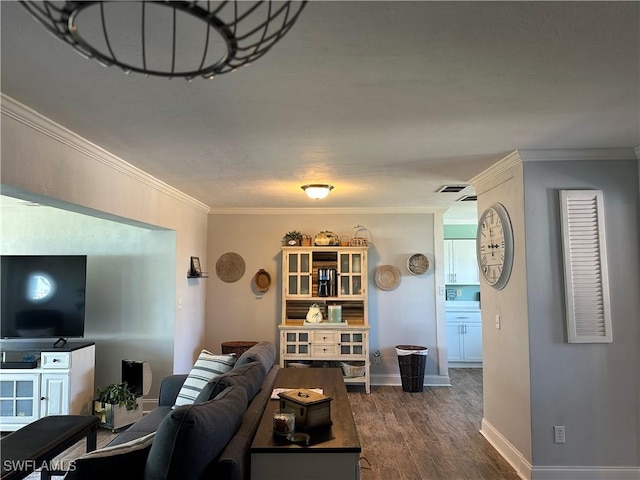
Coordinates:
(210, 439)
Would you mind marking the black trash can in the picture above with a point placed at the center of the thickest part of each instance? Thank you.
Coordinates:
(412, 360)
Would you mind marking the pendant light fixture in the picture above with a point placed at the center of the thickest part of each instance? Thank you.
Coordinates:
(168, 38)
(317, 190)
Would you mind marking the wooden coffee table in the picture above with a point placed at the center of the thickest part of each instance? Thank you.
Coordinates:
(333, 452)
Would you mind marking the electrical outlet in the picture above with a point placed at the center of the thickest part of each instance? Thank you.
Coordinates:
(458, 293)
(558, 434)
(375, 358)
(498, 322)
(441, 289)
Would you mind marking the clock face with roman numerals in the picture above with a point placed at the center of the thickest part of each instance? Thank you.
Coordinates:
(494, 246)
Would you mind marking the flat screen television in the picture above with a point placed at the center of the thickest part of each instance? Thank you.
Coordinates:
(43, 296)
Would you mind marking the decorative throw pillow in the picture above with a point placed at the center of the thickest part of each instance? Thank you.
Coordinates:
(207, 367)
(112, 462)
(191, 437)
(248, 376)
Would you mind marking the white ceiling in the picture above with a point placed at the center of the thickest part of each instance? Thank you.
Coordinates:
(386, 100)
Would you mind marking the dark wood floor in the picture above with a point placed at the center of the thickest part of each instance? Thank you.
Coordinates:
(427, 435)
(412, 436)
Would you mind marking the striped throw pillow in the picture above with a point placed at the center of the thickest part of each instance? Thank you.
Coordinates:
(208, 367)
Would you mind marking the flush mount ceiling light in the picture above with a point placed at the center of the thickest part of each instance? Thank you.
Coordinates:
(169, 38)
(317, 190)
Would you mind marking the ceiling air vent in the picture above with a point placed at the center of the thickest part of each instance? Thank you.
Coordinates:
(468, 198)
(452, 188)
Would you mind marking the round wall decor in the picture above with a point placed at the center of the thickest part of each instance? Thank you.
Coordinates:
(417, 264)
(262, 280)
(387, 277)
(230, 267)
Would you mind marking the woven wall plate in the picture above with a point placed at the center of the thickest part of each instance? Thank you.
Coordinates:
(387, 277)
(230, 267)
(262, 280)
(418, 264)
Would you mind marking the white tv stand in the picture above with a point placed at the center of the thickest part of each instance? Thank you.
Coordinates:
(61, 383)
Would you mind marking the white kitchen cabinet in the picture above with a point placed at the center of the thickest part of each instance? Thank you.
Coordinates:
(461, 265)
(464, 336)
(61, 384)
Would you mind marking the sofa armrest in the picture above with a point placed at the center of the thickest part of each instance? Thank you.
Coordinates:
(169, 389)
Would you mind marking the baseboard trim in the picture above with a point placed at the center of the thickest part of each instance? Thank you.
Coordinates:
(510, 453)
(465, 365)
(585, 473)
(393, 380)
(528, 472)
(149, 404)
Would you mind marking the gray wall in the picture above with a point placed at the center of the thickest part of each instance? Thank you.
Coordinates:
(505, 351)
(534, 379)
(129, 314)
(407, 314)
(592, 389)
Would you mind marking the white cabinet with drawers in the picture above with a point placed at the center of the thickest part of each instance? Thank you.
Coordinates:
(325, 343)
(61, 384)
(321, 345)
(464, 336)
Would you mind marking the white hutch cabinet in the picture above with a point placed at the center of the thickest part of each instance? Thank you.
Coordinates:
(325, 343)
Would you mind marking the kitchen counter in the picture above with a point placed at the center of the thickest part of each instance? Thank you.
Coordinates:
(462, 306)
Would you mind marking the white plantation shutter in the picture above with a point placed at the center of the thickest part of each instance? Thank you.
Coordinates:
(585, 267)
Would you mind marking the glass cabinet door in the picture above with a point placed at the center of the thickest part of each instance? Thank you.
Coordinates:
(299, 274)
(352, 343)
(296, 343)
(351, 274)
(19, 397)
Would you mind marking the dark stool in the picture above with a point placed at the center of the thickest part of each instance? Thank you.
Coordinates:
(236, 347)
(35, 445)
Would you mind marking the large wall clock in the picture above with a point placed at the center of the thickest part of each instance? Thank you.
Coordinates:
(494, 246)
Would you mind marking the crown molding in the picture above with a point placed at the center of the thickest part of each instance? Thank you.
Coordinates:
(570, 154)
(324, 211)
(34, 120)
(499, 171)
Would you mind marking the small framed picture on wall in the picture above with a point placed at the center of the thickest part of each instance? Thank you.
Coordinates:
(196, 270)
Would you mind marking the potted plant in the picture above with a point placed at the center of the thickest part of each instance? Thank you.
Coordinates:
(292, 238)
(117, 406)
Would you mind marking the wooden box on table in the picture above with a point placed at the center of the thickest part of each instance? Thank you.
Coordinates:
(312, 409)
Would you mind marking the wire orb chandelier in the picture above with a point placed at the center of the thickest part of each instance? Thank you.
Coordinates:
(169, 38)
